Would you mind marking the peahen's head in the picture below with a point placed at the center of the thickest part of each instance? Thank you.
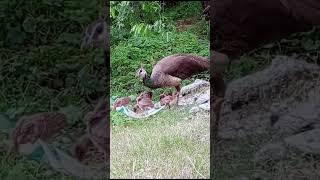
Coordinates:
(141, 73)
(95, 34)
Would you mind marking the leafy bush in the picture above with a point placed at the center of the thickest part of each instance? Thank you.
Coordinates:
(137, 17)
(129, 51)
(41, 22)
(42, 67)
(127, 57)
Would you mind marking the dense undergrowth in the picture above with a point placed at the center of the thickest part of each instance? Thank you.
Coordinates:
(165, 145)
(42, 68)
(128, 54)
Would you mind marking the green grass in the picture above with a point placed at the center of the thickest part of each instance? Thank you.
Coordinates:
(170, 144)
(127, 57)
(184, 10)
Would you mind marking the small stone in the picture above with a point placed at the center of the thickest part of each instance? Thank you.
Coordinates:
(205, 106)
(205, 97)
(157, 105)
(194, 109)
(185, 101)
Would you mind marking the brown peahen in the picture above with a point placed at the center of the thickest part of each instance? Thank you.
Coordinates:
(171, 70)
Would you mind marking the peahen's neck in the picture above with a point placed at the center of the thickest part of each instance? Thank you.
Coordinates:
(147, 81)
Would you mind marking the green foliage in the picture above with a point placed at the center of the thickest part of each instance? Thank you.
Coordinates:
(141, 18)
(127, 57)
(43, 69)
(48, 77)
(201, 29)
(130, 51)
(184, 10)
(49, 62)
(40, 22)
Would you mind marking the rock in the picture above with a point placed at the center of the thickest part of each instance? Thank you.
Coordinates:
(157, 105)
(198, 83)
(204, 97)
(184, 101)
(307, 142)
(194, 109)
(304, 115)
(205, 106)
(280, 103)
(280, 79)
(249, 106)
(272, 151)
(251, 125)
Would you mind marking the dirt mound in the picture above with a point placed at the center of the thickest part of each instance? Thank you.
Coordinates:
(268, 100)
(270, 123)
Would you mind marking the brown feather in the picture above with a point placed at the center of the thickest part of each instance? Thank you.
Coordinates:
(169, 71)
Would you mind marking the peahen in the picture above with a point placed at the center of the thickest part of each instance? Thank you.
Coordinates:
(171, 70)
